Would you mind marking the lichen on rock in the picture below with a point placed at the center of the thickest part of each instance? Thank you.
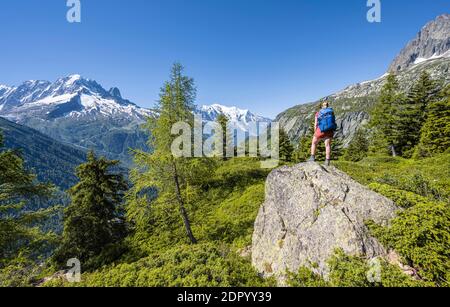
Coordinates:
(309, 212)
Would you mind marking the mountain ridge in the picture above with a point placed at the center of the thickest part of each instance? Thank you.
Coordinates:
(432, 41)
(353, 103)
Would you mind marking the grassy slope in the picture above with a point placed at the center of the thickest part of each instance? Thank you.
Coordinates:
(429, 177)
(223, 222)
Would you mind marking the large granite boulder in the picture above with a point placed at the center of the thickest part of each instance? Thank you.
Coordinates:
(309, 212)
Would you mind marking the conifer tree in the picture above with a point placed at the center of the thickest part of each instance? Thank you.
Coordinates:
(386, 136)
(19, 233)
(176, 179)
(94, 219)
(224, 139)
(286, 148)
(358, 147)
(425, 91)
(412, 112)
(435, 134)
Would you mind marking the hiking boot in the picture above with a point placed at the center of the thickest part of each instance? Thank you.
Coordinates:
(327, 162)
(312, 159)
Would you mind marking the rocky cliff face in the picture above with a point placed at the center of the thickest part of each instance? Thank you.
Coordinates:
(309, 212)
(430, 52)
(432, 41)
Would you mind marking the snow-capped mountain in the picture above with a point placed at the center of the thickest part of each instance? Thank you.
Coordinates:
(240, 118)
(72, 96)
(78, 111)
(81, 112)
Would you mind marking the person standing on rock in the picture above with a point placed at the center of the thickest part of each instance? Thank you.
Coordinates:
(324, 127)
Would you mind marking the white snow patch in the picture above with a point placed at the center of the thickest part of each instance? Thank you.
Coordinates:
(433, 57)
(52, 100)
(73, 79)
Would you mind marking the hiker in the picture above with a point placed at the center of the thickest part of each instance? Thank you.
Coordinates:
(325, 126)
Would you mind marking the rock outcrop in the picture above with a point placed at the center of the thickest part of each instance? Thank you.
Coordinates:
(432, 41)
(309, 212)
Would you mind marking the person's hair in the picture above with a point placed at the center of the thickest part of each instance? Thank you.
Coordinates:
(325, 103)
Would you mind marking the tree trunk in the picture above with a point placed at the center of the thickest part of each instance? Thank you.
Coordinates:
(183, 212)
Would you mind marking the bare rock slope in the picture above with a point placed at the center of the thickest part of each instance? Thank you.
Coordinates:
(432, 41)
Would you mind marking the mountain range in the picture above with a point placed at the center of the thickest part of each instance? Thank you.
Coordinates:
(79, 111)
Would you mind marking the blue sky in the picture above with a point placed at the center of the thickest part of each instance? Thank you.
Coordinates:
(262, 55)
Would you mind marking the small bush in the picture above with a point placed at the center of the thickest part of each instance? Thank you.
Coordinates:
(402, 198)
(421, 235)
(202, 265)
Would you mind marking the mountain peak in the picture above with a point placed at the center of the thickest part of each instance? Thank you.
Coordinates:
(432, 42)
(115, 92)
(74, 77)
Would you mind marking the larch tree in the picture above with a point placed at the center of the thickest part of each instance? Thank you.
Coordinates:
(176, 179)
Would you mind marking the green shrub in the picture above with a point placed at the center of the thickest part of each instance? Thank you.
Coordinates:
(232, 220)
(404, 199)
(421, 235)
(353, 271)
(306, 278)
(201, 265)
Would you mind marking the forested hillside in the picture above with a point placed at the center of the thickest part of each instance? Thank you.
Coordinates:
(52, 161)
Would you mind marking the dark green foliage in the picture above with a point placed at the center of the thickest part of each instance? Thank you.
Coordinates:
(402, 198)
(19, 233)
(354, 271)
(435, 133)
(421, 233)
(386, 137)
(397, 121)
(303, 150)
(286, 148)
(20, 272)
(428, 177)
(413, 113)
(93, 222)
(226, 138)
(347, 271)
(358, 147)
(306, 278)
(22, 238)
(425, 91)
